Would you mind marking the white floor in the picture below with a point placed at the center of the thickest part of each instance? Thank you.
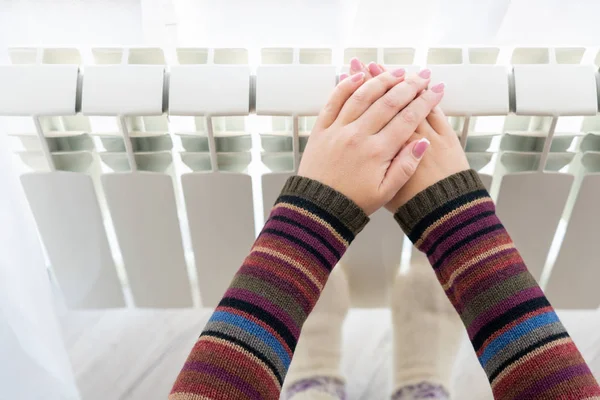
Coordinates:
(136, 354)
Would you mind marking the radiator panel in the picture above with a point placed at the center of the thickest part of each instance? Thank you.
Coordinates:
(473, 89)
(530, 205)
(68, 217)
(293, 89)
(142, 124)
(221, 221)
(38, 89)
(575, 276)
(142, 207)
(209, 89)
(123, 90)
(556, 89)
(271, 187)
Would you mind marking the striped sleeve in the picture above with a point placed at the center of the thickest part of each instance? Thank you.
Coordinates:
(246, 347)
(519, 340)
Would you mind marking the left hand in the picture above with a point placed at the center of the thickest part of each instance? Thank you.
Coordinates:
(357, 146)
(445, 156)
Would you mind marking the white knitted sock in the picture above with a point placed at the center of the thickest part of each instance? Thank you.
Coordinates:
(315, 369)
(427, 330)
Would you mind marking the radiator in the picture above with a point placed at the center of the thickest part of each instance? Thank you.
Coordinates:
(149, 172)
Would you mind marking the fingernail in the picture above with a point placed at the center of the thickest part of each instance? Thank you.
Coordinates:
(420, 148)
(425, 73)
(355, 64)
(439, 88)
(398, 72)
(374, 68)
(343, 76)
(358, 77)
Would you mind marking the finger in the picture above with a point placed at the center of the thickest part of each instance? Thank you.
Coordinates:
(389, 105)
(438, 120)
(336, 101)
(357, 66)
(368, 93)
(403, 166)
(374, 69)
(404, 124)
(343, 76)
(423, 129)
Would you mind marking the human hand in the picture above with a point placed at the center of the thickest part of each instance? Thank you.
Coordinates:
(357, 146)
(445, 156)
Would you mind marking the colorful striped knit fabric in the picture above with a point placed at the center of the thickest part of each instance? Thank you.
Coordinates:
(245, 349)
(519, 340)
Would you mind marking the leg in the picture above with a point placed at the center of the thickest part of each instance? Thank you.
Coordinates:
(314, 373)
(427, 335)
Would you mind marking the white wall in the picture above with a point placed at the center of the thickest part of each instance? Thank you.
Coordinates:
(298, 22)
(386, 22)
(70, 22)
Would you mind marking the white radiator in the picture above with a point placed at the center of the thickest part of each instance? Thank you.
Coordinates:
(151, 171)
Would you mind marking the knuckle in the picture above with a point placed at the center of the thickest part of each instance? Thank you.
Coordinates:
(335, 98)
(346, 92)
(339, 90)
(389, 101)
(387, 80)
(427, 97)
(408, 116)
(412, 83)
(424, 103)
(352, 140)
(408, 168)
(359, 96)
(329, 107)
(377, 149)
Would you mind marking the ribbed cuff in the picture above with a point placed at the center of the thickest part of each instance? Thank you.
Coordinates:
(329, 199)
(436, 196)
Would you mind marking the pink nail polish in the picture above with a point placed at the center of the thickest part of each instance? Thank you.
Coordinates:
(398, 72)
(374, 68)
(425, 73)
(358, 77)
(420, 148)
(355, 64)
(439, 88)
(343, 76)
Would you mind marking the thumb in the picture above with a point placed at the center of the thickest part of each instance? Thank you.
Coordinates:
(403, 166)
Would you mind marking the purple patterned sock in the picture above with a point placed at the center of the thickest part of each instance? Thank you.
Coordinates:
(421, 390)
(325, 384)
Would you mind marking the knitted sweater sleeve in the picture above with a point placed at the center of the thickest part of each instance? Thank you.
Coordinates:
(246, 347)
(519, 340)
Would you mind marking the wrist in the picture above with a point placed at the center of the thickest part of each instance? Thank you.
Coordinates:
(438, 200)
(328, 201)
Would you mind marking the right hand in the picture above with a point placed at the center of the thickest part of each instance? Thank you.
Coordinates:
(445, 156)
(357, 146)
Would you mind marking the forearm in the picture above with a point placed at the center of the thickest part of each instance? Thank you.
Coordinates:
(246, 347)
(519, 340)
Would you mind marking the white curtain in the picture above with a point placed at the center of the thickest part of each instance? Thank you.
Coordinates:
(33, 360)
(34, 363)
